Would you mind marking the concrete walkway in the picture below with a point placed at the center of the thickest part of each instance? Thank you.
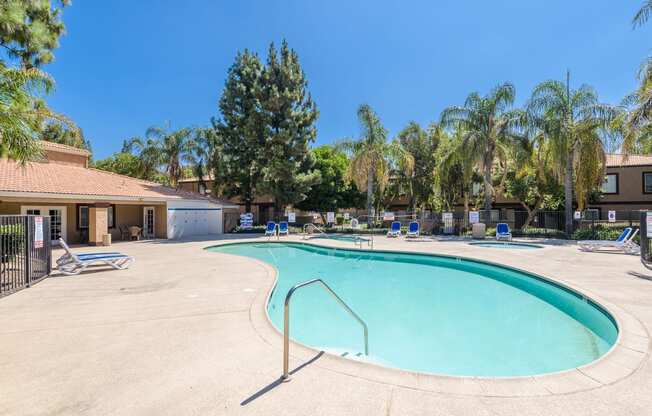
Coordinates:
(183, 332)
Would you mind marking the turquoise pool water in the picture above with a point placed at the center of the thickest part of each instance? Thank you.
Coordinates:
(433, 314)
(499, 244)
(339, 237)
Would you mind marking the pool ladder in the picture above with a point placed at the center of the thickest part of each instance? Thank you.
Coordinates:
(305, 230)
(286, 322)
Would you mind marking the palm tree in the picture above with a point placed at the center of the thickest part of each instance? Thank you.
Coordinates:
(22, 111)
(149, 156)
(368, 164)
(175, 148)
(643, 14)
(636, 123)
(204, 154)
(571, 121)
(486, 123)
(162, 147)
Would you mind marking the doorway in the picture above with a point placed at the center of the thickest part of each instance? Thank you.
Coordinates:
(148, 222)
(57, 219)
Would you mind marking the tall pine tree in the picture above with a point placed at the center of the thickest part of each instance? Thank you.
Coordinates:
(290, 116)
(242, 130)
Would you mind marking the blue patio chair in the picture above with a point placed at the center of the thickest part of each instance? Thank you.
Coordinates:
(394, 229)
(503, 232)
(271, 228)
(283, 228)
(413, 230)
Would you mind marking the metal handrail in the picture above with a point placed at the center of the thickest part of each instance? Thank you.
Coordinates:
(305, 227)
(286, 323)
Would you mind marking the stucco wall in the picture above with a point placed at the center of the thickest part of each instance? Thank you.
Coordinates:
(630, 187)
(66, 158)
(13, 208)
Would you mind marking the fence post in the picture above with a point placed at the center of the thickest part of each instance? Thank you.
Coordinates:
(27, 235)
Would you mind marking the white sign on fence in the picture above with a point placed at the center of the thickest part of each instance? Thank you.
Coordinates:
(388, 216)
(330, 217)
(612, 216)
(347, 216)
(474, 217)
(648, 222)
(38, 232)
(246, 220)
(577, 215)
(292, 217)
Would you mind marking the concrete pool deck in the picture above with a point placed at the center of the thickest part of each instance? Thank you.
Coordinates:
(184, 331)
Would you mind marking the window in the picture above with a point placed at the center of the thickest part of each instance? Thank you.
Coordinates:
(647, 182)
(83, 215)
(610, 184)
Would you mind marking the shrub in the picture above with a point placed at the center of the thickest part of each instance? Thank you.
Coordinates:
(600, 232)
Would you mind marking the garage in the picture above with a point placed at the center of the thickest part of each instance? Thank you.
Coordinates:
(188, 218)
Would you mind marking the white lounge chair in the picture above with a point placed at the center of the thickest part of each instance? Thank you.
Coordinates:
(625, 242)
(413, 230)
(72, 263)
(503, 232)
(394, 229)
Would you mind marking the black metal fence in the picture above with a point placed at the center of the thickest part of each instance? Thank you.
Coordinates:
(25, 251)
(591, 224)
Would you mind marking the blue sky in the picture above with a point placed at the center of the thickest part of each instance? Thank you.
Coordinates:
(125, 65)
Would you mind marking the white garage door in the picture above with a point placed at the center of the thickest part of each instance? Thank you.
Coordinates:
(189, 222)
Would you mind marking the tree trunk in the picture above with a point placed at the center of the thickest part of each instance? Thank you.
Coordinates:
(568, 194)
(370, 195)
(530, 213)
(487, 190)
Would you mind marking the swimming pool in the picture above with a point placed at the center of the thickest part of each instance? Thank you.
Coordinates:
(433, 314)
(339, 237)
(505, 244)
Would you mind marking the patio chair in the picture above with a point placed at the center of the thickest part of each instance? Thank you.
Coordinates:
(413, 230)
(71, 263)
(124, 232)
(625, 243)
(503, 232)
(394, 229)
(271, 228)
(283, 228)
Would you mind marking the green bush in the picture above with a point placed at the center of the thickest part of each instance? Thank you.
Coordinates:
(600, 232)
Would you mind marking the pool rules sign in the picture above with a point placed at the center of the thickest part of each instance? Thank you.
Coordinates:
(38, 232)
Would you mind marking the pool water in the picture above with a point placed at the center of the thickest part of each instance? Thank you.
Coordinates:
(339, 237)
(433, 314)
(500, 244)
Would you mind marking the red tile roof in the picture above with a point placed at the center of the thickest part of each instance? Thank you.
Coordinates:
(617, 160)
(65, 181)
(62, 148)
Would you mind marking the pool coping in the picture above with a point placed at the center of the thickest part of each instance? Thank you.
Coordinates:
(623, 359)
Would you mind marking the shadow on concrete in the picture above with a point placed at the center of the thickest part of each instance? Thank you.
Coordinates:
(271, 386)
(640, 275)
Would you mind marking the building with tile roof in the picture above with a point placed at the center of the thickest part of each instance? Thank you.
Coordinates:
(84, 204)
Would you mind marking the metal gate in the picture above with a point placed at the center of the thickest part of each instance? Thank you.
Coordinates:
(646, 250)
(25, 251)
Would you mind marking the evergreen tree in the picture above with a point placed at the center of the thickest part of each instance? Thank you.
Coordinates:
(30, 30)
(290, 116)
(242, 130)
